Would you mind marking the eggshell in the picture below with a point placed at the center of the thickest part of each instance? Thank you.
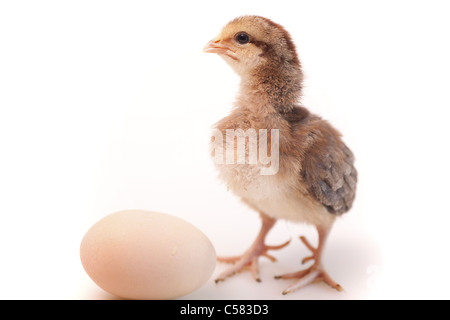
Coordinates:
(138, 254)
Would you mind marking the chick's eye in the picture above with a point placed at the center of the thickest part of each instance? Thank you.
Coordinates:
(242, 38)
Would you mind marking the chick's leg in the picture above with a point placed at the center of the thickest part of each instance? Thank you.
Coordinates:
(250, 257)
(316, 272)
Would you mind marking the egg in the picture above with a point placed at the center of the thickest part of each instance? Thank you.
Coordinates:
(138, 254)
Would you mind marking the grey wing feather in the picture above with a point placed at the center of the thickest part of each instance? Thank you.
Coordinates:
(331, 178)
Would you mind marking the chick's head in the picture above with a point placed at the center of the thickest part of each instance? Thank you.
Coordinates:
(251, 42)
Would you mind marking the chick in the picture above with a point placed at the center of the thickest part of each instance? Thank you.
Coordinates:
(314, 180)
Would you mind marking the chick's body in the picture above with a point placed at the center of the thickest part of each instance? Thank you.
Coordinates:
(293, 193)
(315, 179)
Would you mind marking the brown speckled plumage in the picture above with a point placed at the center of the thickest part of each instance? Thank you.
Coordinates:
(316, 180)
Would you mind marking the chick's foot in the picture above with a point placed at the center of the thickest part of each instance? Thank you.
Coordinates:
(315, 273)
(311, 275)
(249, 260)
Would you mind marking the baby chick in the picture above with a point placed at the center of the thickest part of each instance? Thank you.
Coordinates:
(314, 180)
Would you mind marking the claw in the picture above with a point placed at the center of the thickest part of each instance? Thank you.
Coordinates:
(305, 260)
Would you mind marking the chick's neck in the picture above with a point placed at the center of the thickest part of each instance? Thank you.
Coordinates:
(272, 89)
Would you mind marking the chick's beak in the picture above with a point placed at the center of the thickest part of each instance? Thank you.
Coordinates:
(217, 46)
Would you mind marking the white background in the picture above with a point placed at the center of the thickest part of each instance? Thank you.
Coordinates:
(107, 105)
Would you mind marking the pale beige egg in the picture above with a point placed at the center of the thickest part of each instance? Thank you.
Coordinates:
(138, 254)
